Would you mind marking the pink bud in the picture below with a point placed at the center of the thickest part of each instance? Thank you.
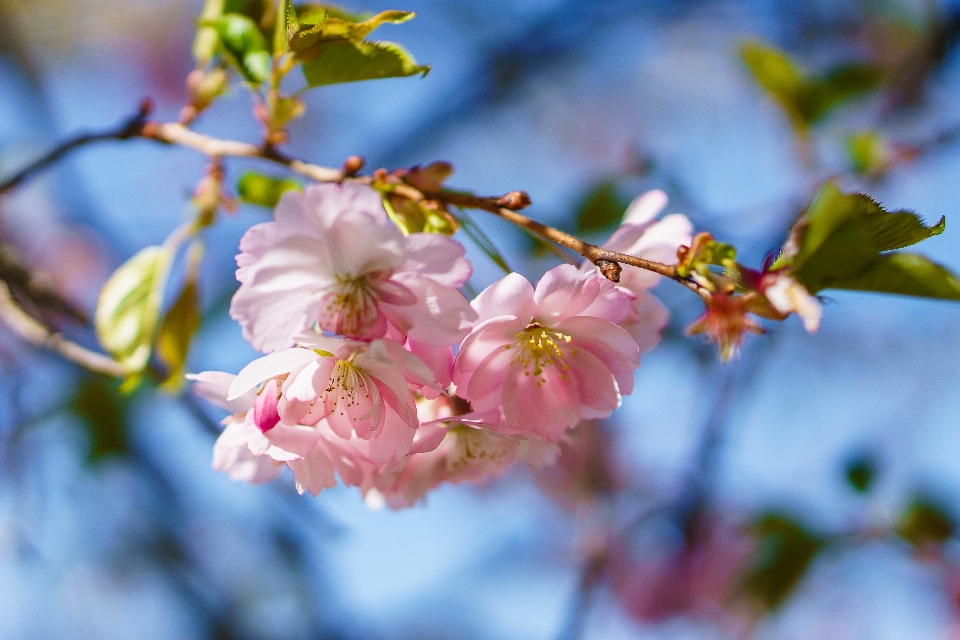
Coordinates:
(266, 413)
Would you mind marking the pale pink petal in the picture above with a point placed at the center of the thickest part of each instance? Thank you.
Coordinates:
(511, 295)
(436, 257)
(595, 384)
(440, 316)
(314, 473)
(266, 414)
(487, 337)
(296, 439)
(645, 207)
(546, 405)
(565, 291)
(608, 342)
(647, 319)
(269, 366)
(215, 386)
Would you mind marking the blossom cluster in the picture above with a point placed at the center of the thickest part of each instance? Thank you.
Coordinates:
(379, 371)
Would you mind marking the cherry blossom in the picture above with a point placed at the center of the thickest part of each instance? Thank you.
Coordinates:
(787, 295)
(354, 387)
(332, 258)
(549, 356)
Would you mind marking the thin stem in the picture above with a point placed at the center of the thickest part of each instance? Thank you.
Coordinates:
(32, 331)
(129, 128)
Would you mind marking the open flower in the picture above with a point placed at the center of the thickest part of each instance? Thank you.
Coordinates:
(355, 388)
(643, 236)
(332, 258)
(725, 322)
(551, 356)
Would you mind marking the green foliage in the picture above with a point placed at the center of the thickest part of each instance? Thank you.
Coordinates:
(243, 45)
(338, 62)
(176, 332)
(332, 47)
(924, 522)
(262, 190)
(785, 551)
(860, 472)
(841, 240)
(601, 208)
(102, 409)
(869, 153)
(805, 99)
(129, 305)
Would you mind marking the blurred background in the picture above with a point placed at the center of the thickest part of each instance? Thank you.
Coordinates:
(808, 490)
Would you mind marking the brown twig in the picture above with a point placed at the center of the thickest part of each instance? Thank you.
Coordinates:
(32, 331)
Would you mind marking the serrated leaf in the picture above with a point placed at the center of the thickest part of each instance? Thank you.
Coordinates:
(840, 240)
(102, 409)
(129, 305)
(339, 62)
(907, 274)
(323, 26)
(262, 190)
(176, 332)
(244, 45)
(600, 209)
(785, 551)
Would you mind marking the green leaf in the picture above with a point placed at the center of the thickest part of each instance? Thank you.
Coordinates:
(779, 76)
(841, 84)
(925, 522)
(176, 332)
(103, 411)
(244, 46)
(860, 472)
(262, 190)
(129, 305)
(868, 152)
(907, 274)
(325, 27)
(600, 209)
(804, 98)
(839, 243)
(338, 62)
(785, 551)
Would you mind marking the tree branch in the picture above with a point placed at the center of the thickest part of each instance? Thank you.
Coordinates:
(32, 331)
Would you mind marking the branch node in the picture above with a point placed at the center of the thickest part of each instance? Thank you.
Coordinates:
(610, 270)
(352, 166)
(515, 200)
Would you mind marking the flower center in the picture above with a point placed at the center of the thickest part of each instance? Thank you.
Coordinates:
(477, 447)
(347, 385)
(350, 306)
(540, 347)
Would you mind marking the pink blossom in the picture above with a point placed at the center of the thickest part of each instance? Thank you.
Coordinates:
(232, 451)
(455, 448)
(643, 236)
(332, 258)
(549, 356)
(352, 387)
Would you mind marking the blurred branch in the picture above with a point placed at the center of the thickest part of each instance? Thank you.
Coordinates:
(25, 284)
(32, 331)
(129, 128)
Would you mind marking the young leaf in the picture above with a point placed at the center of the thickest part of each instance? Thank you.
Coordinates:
(265, 191)
(129, 305)
(779, 76)
(869, 153)
(839, 243)
(338, 62)
(924, 522)
(321, 26)
(103, 411)
(600, 209)
(176, 332)
(785, 551)
(907, 274)
(244, 45)
(841, 84)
